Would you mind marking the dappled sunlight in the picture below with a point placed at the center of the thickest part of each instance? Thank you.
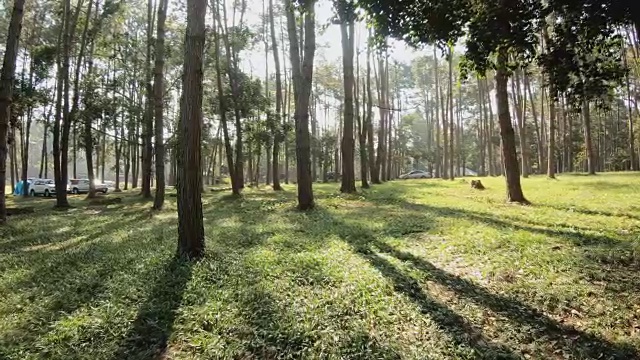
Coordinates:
(393, 270)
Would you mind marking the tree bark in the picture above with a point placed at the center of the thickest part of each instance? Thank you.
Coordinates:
(27, 136)
(235, 186)
(362, 126)
(348, 145)
(278, 133)
(588, 143)
(190, 219)
(439, 159)
(522, 131)
(373, 170)
(382, 129)
(158, 92)
(89, 98)
(527, 85)
(302, 80)
(6, 93)
(61, 142)
(147, 132)
(232, 70)
(507, 134)
(451, 121)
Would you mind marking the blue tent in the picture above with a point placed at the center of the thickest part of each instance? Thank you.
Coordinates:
(18, 187)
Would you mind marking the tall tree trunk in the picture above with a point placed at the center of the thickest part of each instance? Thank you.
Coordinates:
(27, 136)
(631, 140)
(348, 145)
(439, 159)
(451, 121)
(190, 218)
(302, 80)
(6, 93)
(445, 132)
(510, 158)
(158, 92)
(232, 71)
(373, 169)
(61, 142)
(362, 127)
(147, 133)
(235, 186)
(482, 170)
(278, 131)
(588, 143)
(382, 138)
(89, 102)
(522, 131)
(488, 114)
(58, 111)
(539, 146)
(45, 135)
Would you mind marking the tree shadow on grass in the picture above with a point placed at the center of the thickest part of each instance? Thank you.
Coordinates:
(536, 325)
(585, 211)
(275, 333)
(65, 276)
(153, 325)
(270, 336)
(608, 259)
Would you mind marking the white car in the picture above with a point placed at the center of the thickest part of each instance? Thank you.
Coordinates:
(79, 186)
(416, 174)
(44, 187)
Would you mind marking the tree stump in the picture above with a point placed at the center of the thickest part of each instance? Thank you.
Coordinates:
(477, 184)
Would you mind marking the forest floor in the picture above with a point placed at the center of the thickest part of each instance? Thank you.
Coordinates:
(425, 269)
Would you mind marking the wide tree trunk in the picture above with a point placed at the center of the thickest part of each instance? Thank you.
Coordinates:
(61, 142)
(507, 134)
(6, 94)
(158, 92)
(190, 219)
(302, 80)
(348, 145)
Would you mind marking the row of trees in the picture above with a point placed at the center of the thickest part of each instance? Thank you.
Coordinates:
(128, 78)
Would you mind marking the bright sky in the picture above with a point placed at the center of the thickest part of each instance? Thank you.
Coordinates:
(329, 42)
(329, 47)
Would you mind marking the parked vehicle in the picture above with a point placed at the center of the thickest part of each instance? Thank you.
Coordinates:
(416, 174)
(81, 186)
(44, 187)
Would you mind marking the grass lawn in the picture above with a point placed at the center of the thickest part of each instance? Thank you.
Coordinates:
(407, 270)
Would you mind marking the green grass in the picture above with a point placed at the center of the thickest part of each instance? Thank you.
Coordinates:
(407, 270)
